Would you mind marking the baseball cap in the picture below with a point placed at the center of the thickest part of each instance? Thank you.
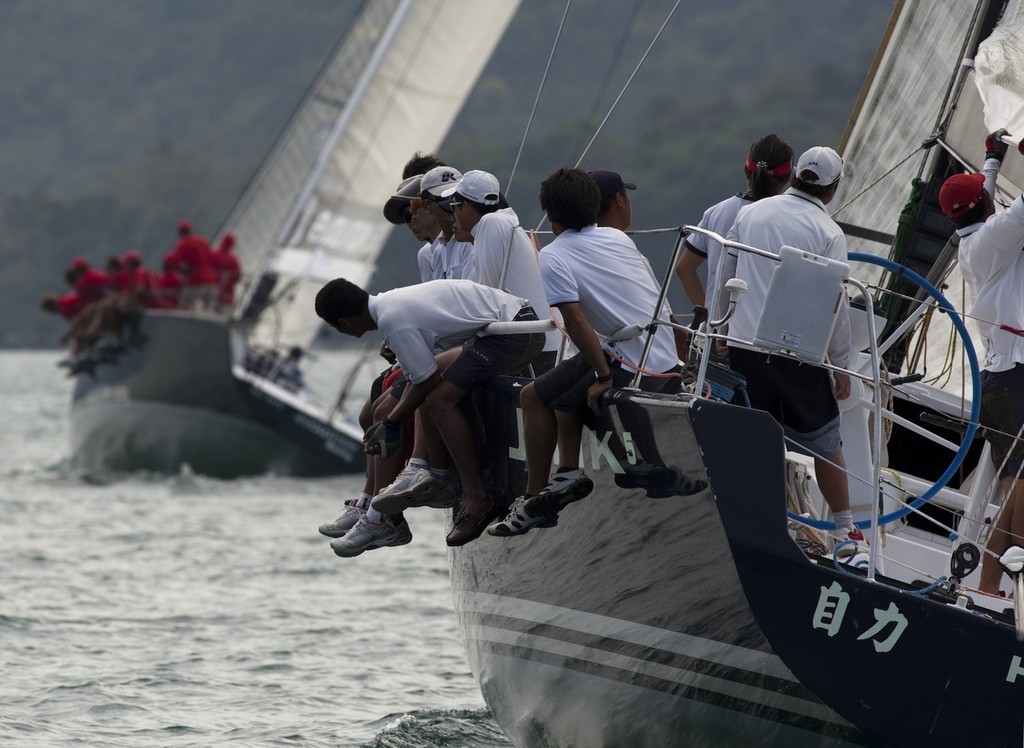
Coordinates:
(184, 225)
(78, 262)
(824, 163)
(479, 186)
(609, 182)
(960, 193)
(439, 179)
(395, 209)
(132, 255)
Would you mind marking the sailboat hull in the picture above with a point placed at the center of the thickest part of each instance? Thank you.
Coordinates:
(627, 623)
(176, 400)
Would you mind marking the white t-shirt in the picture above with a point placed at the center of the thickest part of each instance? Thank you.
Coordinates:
(452, 260)
(498, 236)
(992, 263)
(601, 269)
(718, 218)
(424, 258)
(436, 262)
(799, 220)
(437, 315)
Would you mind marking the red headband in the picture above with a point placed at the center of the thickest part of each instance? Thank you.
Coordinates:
(779, 170)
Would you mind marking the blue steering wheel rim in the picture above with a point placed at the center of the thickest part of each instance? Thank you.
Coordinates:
(972, 425)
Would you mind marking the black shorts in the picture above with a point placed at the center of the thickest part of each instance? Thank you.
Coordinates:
(1002, 410)
(487, 356)
(564, 388)
(799, 396)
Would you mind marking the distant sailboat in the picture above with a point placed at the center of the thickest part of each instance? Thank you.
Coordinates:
(311, 213)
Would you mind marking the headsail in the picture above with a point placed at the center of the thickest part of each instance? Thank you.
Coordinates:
(944, 77)
(392, 87)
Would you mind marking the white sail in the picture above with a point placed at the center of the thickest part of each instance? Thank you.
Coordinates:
(926, 85)
(393, 87)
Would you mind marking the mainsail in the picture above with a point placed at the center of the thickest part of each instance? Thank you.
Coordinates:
(945, 76)
(392, 87)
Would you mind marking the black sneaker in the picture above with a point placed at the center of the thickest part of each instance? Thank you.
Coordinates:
(520, 520)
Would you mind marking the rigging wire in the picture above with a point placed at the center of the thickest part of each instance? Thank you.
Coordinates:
(536, 101)
(628, 81)
(612, 66)
(926, 144)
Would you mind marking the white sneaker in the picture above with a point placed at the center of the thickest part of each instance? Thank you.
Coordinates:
(851, 547)
(352, 514)
(414, 486)
(365, 536)
(520, 519)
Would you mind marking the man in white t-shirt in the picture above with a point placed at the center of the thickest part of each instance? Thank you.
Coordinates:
(416, 321)
(426, 478)
(802, 398)
(450, 258)
(616, 208)
(993, 268)
(601, 284)
(404, 208)
(503, 254)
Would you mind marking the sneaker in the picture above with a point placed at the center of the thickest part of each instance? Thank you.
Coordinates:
(659, 481)
(842, 534)
(414, 486)
(351, 514)
(851, 547)
(564, 488)
(520, 520)
(365, 536)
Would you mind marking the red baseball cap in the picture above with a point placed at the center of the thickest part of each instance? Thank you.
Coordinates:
(132, 255)
(960, 193)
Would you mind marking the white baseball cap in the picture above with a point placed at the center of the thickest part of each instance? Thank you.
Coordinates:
(438, 179)
(824, 163)
(479, 186)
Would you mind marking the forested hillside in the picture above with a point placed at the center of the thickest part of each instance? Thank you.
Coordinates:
(121, 117)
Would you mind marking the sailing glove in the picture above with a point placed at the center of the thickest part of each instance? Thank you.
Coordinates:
(994, 145)
(384, 439)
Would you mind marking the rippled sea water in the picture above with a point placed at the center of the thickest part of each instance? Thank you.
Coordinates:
(140, 610)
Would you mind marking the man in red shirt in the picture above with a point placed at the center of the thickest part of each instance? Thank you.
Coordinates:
(67, 306)
(194, 259)
(90, 284)
(229, 272)
(166, 286)
(141, 277)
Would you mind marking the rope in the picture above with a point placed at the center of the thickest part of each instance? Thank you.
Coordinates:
(536, 101)
(628, 82)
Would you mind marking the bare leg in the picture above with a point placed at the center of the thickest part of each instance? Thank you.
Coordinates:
(434, 450)
(1009, 529)
(570, 437)
(442, 405)
(832, 482)
(540, 423)
(365, 421)
(385, 470)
